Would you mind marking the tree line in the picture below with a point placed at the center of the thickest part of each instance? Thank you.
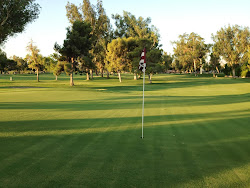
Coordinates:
(93, 45)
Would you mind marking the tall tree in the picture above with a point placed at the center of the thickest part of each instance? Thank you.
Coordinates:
(117, 56)
(130, 26)
(167, 61)
(21, 63)
(124, 53)
(232, 43)
(154, 58)
(189, 50)
(102, 37)
(101, 28)
(73, 13)
(3, 61)
(85, 65)
(34, 59)
(214, 63)
(77, 44)
(14, 16)
(59, 68)
(181, 53)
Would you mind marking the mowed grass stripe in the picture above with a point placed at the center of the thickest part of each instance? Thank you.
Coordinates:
(23, 163)
(89, 159)
(196, 133)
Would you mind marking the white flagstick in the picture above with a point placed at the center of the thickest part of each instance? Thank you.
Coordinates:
(143, 99)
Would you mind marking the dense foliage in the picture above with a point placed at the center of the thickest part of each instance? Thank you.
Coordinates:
(14, 16)
(76, 45)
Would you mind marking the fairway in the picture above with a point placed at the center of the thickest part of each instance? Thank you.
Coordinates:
(196, 129)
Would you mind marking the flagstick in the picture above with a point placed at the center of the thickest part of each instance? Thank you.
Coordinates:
(143, 101)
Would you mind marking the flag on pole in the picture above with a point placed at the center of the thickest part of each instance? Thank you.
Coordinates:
(142, 67)
(142, 63)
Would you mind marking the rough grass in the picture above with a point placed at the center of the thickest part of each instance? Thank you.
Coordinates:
(53, 135)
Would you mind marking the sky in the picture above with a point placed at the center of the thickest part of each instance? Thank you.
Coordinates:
(171, 17)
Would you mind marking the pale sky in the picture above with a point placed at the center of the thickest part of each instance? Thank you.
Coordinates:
(171, 17)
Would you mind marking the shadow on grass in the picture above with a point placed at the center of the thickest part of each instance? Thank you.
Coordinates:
(98, 125)
(173, 83)
(130, 102)
(160, 82)
(172, 154)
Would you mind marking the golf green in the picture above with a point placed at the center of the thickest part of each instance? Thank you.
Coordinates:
(196, 132)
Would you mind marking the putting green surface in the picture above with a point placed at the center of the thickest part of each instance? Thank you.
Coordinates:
(197, 132)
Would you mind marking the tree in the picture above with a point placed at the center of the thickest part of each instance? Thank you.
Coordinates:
(59, 68)
(245, 69)
(117, 56)
(11, 65)
(15, 14)
(73, 13)
(181, 53)
(85, 65)
(130, 26)
(49, 63)
(153, 60)
(153, 56)
(124, 55)
(34, 59)
(134, 53)
(77, 44)
(232, 43)
(214, 63)
(21, 63)
(190, 49)
(101, 29)
(177, 66)
(102, 35)
(3, 61)
(167, 61)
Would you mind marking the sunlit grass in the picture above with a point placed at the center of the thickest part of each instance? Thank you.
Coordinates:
(53, 135)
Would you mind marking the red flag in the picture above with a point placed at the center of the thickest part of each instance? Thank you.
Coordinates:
(142, 63)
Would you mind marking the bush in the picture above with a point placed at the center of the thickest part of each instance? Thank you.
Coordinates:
(245, 70)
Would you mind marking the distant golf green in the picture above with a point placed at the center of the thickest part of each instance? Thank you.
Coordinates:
(197, 132)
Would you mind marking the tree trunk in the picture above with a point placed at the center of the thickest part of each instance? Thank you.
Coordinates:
(37, 75)
(213, 73)
(195, 68)
(101, 73)
(107, 74)
(119, 75)
(150, 78)
(96, 72)
(217, 70)
(87, 75)
(233, 72)
(200, 66)
(71, 75)
(71, 79)
(91, 74)
(135, 76)
(56, 77)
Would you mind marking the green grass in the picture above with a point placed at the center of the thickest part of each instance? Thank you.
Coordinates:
(197, 132)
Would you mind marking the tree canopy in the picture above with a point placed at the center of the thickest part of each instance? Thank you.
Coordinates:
(189, 49)
(101, 28)
(232, 44)
(15, 14)
(130, 26)
(77, 44)
(34, 59)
